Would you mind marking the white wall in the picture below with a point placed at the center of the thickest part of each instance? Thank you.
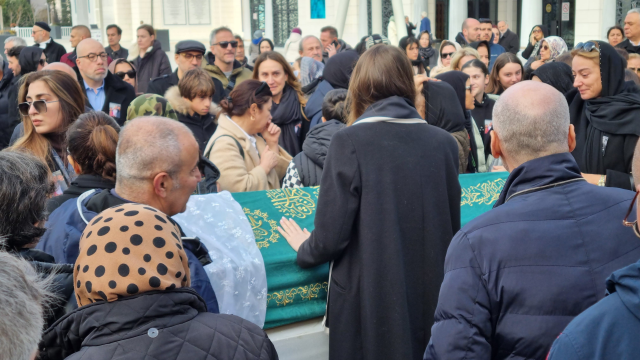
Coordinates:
(593, 18)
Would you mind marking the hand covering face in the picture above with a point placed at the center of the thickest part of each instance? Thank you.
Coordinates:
(128, 250)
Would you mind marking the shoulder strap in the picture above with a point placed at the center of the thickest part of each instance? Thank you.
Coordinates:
(232, 81)
(234, 139)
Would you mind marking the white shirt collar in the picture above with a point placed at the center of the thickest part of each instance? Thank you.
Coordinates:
(251, 138)
(43, 45)
(638, 44)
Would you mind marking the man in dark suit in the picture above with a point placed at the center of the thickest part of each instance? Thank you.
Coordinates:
(104, 90)
(508, 39)
(41, 35)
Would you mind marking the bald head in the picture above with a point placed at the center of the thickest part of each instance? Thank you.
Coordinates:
(87, 46)
(471, 30)
(58, 66)
(528, 132)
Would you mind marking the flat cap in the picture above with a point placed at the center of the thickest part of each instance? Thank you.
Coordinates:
(190, 45)
(43, 25)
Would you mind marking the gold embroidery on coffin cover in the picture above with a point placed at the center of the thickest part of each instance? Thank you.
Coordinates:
(305, 293)
(292, 202)
(264, 237)
(484, 193)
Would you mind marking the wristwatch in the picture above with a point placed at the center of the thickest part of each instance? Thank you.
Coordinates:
(602, 180)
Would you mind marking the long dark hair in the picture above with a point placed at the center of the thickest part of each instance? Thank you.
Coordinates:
(92, 142)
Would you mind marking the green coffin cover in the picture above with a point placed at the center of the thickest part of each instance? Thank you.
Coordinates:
(297, 294)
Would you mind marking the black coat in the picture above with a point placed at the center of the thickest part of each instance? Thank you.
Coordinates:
(154, 64)
(202, 127)
(629, 47)
(160, 85)
(53, 52)
(517, 275)
(389, 206)
(115, 55)
(168, 325)
(310, 161)
(79, 185)
(117, 91)
(14, 114)
(6, 123)
(510, 42)
(61, 286)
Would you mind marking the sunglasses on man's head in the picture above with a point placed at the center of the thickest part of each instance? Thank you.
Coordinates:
(447, 55)
(39, 105)
(131, 74)
(225, 44)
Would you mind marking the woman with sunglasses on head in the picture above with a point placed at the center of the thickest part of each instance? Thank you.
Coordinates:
(148, 57)
(49, 101)
(388, 208)
(550, 48)
(126, 71)
(288, 99)
(448, 48)
(533, 46)
(91, 145)
(507, 71)
(245, 145)
(604, 110)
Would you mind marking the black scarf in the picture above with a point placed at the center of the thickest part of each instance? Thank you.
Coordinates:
(288, 115)
(339, 67)
(616, 112)
(29, 59)
(556, 74)
(442, 108)
(426, 53)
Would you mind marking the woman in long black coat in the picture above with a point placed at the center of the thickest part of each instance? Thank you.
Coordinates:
(605, 112)
(388, 208)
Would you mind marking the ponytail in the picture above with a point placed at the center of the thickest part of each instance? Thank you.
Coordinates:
(92, 142)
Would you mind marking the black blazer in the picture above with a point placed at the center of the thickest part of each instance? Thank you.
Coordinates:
(117, 92)
(53, 52)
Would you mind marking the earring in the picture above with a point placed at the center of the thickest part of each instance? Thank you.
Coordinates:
(252, 118)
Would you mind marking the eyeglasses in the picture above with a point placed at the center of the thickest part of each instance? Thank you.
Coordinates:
(35, 32)
(131, 74)
(588, 46)
(447, 55)
(225, 44)
(263, 89)
(39, 105)
(93, 57)
(190, 57)
(536, 31)
(633, 203)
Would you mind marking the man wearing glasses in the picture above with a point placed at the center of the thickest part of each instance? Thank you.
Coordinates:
(221, 61)
(41, 35)
(518, 274)
(105, 91)
(189, 55)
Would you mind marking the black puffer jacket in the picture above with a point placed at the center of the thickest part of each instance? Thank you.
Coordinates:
(168, 325)
(154, 64)
(62, 286)
(310, 161)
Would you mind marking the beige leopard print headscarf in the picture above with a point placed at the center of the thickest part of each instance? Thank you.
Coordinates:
(128, 250)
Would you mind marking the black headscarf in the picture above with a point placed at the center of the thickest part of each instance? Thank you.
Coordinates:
(615, 112)
(477, 43)
(442, 108)
(339, 68)
(556, 74)
(29, 59)
(287, 115)
(458, 81)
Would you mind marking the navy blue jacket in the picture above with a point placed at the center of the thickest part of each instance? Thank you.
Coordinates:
(313, 109)
(518, 274)
(64, 230)
(608, 329)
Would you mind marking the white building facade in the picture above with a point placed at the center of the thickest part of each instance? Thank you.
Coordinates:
(574, 20)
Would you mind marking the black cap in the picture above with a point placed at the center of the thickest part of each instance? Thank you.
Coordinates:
(190, 45)
(43, 25)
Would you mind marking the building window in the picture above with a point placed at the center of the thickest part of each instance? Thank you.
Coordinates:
(622, 7)
(257, 15)
(285, 18)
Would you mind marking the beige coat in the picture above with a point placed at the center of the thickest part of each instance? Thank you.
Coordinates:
(236, 174)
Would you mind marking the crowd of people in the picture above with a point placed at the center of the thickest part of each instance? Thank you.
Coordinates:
(103, 145)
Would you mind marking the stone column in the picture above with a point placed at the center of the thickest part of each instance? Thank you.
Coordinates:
(531, 16)
(458, 12)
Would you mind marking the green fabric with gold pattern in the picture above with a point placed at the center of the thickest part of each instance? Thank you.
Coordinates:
(297, 294)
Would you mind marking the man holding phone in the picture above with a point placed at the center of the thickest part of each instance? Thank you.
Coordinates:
(330, 42)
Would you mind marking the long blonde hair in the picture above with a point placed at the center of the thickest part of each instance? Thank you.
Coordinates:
(292, 80)
(72, 103)
(382, 71)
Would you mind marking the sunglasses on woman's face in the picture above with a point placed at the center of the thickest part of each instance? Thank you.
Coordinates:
(626, 222)
(545, 47)
(131, 74)
(39, 105)
(447, 55)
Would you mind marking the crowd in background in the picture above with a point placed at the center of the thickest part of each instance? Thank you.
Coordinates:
(103, 145)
